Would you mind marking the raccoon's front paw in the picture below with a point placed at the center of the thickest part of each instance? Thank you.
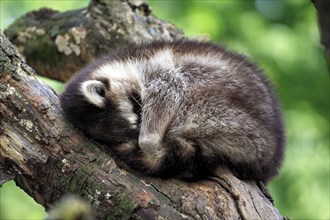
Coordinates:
(150, 144)
(126, 148)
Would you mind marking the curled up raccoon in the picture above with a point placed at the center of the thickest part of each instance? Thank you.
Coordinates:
(180, 109)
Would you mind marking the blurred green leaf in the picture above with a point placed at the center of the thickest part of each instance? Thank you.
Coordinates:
(15, 204)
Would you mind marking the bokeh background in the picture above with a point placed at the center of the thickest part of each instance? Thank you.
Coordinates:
(283, 37)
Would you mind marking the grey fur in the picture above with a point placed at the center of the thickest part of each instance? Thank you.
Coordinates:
(201, 107)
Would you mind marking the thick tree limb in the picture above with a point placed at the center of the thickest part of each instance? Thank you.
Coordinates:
(57, 44)
(48, 157)
(323, 8)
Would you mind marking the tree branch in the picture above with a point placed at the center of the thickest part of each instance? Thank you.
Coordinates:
(49, 158)
(57, 44)
(323, 8)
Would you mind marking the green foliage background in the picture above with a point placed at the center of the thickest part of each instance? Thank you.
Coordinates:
(282, 36)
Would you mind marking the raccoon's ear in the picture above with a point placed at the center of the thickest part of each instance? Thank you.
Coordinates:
(94, 92)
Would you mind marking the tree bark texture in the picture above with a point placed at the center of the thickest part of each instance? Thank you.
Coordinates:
(323, 8)
(48, 157)
(57, 44)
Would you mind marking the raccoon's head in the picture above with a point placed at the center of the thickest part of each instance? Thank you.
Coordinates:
(103, 115)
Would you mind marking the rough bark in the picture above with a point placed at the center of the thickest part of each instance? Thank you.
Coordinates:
(57, 44)
(323, 8)
(48, 157)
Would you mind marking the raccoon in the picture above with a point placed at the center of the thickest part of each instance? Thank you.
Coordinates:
(181, 109)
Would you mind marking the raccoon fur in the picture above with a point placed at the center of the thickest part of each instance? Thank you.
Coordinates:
(180, 109)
